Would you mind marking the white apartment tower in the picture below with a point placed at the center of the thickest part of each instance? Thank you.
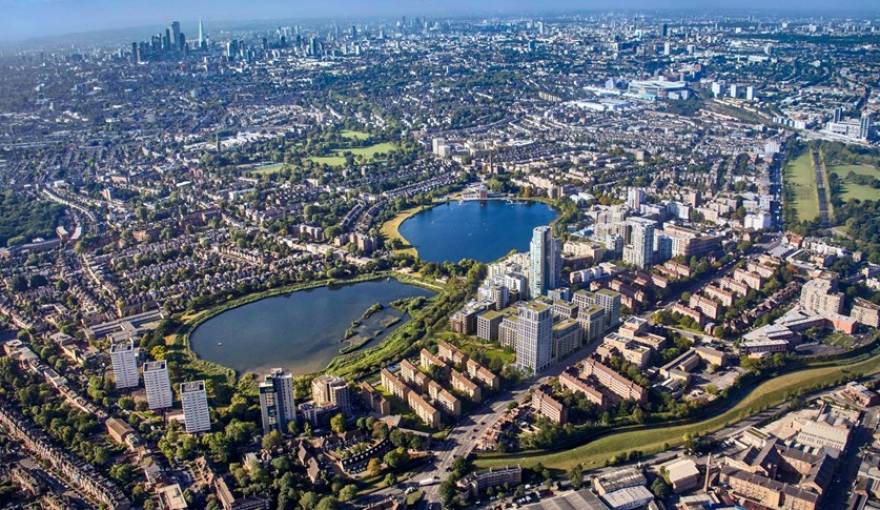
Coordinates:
(196, 415)
(639, 247)
(158, 385)
(123, 357)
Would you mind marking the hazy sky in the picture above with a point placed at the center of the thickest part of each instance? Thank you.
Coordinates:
(34, 18)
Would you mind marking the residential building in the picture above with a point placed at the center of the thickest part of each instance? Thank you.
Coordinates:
(544, 403)
(123, 358)
(277, 406)
(158, 385)
(534, 339)
(544, 262)
(196, 414)
(328, 389)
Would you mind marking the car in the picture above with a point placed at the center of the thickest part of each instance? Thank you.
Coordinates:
(409, 490)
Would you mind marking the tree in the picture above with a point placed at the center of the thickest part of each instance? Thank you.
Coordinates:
(447, 492)
(292, 428)
(328, 503)
(348, 492)
(576, 476)
(659, 487)
(390, 480)
(308, 500)
(374, 467)
(272, 440)
(337, 423)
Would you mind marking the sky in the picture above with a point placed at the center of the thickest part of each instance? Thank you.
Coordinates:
(24, 19)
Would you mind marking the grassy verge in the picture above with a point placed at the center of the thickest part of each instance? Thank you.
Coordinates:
(659, 438)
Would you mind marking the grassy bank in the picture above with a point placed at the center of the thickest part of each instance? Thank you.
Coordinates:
(391, 230)
(658, 438)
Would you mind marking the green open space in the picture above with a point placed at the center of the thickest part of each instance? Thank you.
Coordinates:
(352, 134)
(659, 437)
(368, 153)
(272, 168)
(800, 179)
(853, 191)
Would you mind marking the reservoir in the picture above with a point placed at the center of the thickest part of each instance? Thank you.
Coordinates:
(483, 231)
(301, 331)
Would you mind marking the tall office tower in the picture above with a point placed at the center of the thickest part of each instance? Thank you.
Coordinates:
(610, 303)
(201, 34)
(838, 114)
(328, 389)
(750, 93)
(196, 415)
(544, 262)
(634, 198)
(175, 33)
(166, 40)
(276, 400)
(123, 357)
(733, 90)
(134, 53)
(667, 48)
(534, 336)
(664, 30)
(639, 244)
(716, 89)
(158, 385)
(865, 125)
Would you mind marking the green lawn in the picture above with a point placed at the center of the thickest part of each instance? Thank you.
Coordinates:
(648, 441)
(355, 135)
(801, 179)
(269, 169)
(853, 191)
(369, 153)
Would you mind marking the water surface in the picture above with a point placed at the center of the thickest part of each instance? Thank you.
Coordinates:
(301, 331)
(482, 231)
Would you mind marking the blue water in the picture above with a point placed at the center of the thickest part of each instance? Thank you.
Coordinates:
(301, 331)
(482, 231)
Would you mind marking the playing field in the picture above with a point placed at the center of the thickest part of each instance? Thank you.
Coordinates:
(355, 135)
(801, 180)
(852, 191)
(369, 153)
(269, 169)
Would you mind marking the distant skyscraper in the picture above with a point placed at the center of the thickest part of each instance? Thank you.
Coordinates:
(534, 337)
(175, 34)
(123, 357)
(638, 249)
(196, 414)
(276, 400)
(158, 385)
(544, 263)
(201, 34)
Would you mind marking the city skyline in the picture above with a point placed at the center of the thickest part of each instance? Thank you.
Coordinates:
(34, 19)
